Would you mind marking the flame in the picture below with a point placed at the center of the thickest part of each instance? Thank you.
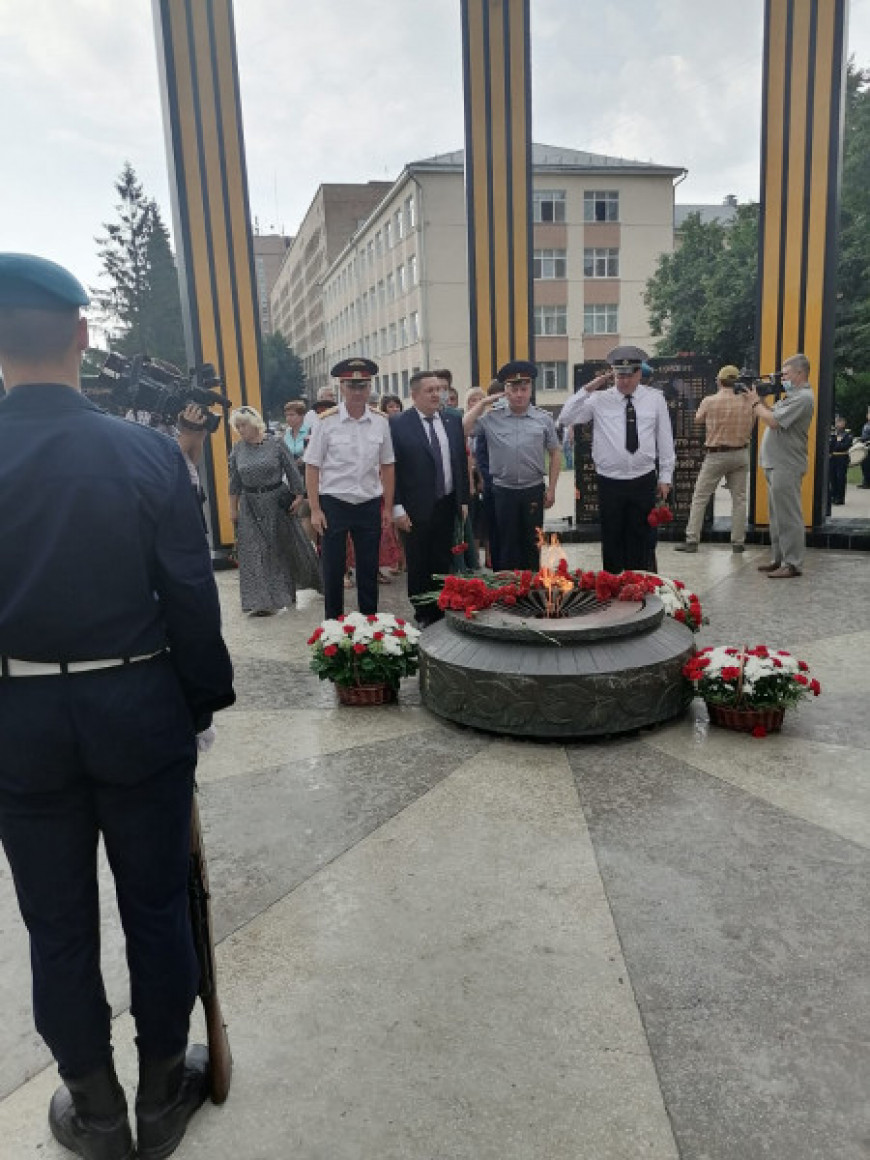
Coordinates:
(552, 554)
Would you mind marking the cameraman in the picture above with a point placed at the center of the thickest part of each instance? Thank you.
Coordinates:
(784, 460)
(192, 427)
(728, 417)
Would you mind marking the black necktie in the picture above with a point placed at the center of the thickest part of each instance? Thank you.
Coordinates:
(436, 451)
(631, 443)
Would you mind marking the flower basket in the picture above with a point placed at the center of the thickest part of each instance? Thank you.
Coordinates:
(381, 694)
(749, 689)
(365, 656)
(746, 720)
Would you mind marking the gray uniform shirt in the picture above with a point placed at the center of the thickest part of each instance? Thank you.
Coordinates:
(785, 446)
(516, 444)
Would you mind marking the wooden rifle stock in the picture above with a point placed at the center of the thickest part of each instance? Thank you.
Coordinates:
(220, 1056)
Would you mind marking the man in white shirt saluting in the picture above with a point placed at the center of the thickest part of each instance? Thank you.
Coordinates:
(631, 434)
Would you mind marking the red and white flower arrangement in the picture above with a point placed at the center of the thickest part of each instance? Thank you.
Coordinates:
(750, 678)
(365, 650)
(474, 593)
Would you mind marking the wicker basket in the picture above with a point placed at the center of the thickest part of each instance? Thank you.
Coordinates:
(745, 720)
(366, 694)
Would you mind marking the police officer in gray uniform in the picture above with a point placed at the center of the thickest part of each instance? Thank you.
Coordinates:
(513, 439)
(111, 663)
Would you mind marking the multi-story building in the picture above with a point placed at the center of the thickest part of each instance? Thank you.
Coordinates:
(334, 215)
(397, 291)
(269, 251)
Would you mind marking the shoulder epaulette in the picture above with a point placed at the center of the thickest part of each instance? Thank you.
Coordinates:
(326, 414)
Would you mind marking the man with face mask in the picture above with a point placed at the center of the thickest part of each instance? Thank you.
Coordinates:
(784, 461)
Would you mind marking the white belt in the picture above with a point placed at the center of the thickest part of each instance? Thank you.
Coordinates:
(10, 667)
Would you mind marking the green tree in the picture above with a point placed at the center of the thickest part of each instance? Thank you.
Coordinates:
(702, 297)
(142, 302)
(283, 376)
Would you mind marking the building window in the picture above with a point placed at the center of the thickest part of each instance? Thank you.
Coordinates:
(601, 263)
(405, 384)
(553, 376)
(370, 250)
(412, 269)
(415, 326)
(381, 299)
(395, 382)
(548, 205)
(401, 287)
(411, 212)
(382, 345)
(601, 319)
(392, 336)
(601, 205)
(551, 320)
(400, 225)
(379, 242)
(388, 236)
(391, 287)
(549, 264)
(403, 332)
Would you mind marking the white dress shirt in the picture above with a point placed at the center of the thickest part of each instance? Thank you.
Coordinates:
(349, 453)
(443, 443)
(607, 409)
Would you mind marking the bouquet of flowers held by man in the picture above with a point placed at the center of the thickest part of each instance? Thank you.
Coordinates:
(364, 650)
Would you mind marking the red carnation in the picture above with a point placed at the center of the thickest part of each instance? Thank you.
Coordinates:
(803, 666)
(348, 630)
(759, 731)
(731, 673)
(330, 650)
(815, 687)
(377, 636)
(372, 619)
(400, 631)
(359, 648)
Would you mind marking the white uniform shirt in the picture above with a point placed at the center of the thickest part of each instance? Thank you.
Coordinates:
(349, 453)
(654, 433)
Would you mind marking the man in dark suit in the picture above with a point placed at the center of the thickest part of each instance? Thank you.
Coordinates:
(111, 663)
(431, 486)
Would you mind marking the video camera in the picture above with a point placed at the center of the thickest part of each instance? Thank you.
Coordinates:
(764, 384)
(142, 383)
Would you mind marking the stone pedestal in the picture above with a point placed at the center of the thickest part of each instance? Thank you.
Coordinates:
(612, 671)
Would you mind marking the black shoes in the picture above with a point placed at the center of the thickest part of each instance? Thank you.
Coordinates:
(170, 1091)
(89, 1116)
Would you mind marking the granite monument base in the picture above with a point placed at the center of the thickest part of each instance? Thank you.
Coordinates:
(613, 671)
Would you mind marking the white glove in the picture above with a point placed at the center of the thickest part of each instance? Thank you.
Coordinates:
(205, 740)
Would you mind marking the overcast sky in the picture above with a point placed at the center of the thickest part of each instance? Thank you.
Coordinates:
(352, 90)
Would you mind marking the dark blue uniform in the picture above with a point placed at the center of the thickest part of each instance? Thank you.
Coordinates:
(102, 557)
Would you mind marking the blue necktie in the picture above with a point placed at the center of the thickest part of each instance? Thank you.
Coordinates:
(436, 451)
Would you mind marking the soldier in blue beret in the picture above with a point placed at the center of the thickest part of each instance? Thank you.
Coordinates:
(111, 663)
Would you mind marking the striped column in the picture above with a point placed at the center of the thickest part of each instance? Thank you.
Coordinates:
(498, 182)
(210, 211)
(802, 132)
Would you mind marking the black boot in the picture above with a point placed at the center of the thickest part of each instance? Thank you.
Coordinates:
(170, 1091)
(89, 1116)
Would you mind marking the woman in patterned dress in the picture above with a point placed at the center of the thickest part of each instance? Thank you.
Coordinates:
(275, 558)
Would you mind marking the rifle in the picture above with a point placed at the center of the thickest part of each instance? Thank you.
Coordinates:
(220, 1056)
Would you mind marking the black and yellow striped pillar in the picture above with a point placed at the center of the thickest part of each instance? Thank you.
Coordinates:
(498, 182)
(211, 218)
(802, 133)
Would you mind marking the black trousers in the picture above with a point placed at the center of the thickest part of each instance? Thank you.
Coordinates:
(624, 505)
(363, 522)
(108, 753)
(838, 466)
(427, 554)
(519, 512)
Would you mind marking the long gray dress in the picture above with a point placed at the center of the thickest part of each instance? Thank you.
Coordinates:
(275, 556)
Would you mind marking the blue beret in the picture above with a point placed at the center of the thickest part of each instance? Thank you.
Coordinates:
(354, 368)
(518, 369)
(32, 283)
